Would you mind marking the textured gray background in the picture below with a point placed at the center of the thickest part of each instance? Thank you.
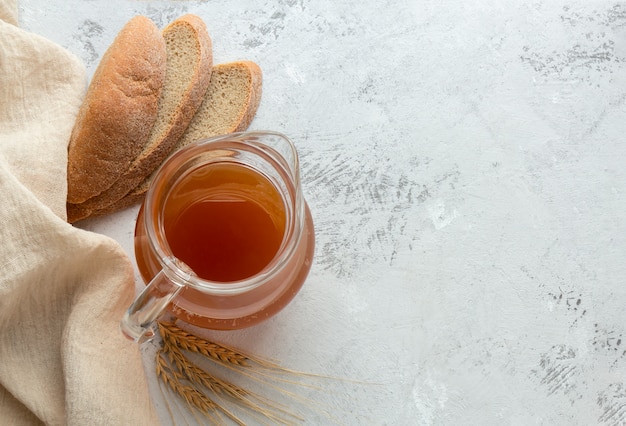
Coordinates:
(464, 162)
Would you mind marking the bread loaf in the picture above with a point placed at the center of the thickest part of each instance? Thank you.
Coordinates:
(119, 110)
(229, 106)
(189, 66)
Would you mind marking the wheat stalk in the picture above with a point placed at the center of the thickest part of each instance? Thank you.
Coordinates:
(191, 382)
(188, 370)
(172, 375)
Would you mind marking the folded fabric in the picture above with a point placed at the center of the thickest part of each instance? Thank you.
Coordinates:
(63, 290)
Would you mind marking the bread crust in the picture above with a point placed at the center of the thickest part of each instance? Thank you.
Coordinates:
(254, 99)
(160, 144)
(118, 111)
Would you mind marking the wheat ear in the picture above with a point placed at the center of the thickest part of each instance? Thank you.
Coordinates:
(174, 380)
(173, 355)
(219, 387)
(177, 337)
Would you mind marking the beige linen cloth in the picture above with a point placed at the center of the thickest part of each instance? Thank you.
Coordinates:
(63, 290)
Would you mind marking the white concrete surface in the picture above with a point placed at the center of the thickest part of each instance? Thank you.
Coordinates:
(465, 165)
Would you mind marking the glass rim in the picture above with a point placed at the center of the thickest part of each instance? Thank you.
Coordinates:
(173, 267)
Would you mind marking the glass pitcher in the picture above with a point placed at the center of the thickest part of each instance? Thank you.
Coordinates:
(206, 259)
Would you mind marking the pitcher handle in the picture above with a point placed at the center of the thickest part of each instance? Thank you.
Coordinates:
(138, 321)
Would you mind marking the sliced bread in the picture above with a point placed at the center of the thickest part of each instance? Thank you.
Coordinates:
(189, 66)
(119, 109)
(230, 103)
(229, 106)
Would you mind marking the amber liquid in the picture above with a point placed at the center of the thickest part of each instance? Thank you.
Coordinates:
(225, 221)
